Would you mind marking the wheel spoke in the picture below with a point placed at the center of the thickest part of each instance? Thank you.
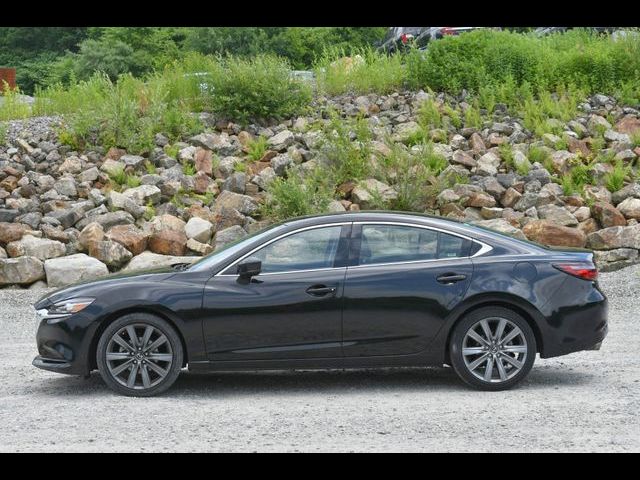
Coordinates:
(515, 349)
(500, 329)
(131, 381)
(132, 335)
(121, 368)
(147, 335)
(159, 341)
(123, 343)
(160, 357)
(501, 371)
(516, 363)
(118, 356)
(488, 373)
(485, 328)
(146, 381)
(474, 335)
(160, 371)
(511, 335)
(476, 363)
(473, 350)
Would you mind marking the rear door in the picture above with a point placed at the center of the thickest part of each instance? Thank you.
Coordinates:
(405, 280)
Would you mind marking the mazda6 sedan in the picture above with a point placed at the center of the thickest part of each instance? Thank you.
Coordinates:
(349, 290)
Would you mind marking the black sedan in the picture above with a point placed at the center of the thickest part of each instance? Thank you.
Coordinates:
(351, 290)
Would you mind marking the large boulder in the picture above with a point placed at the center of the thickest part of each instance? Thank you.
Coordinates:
(40, 248)
(110, 253)
(366, 192)
(199, 229)
(21, 271)
(168, 242)
(503, 226)
(143, 194)
(10, 232)
(547, 233)
(610, 260)
(630, 208)
(281, 141)
(608, 215)
(228, 235)
(242, 203)
(91, 233)
(130, 237)
(557, 214)
(149, 260)
(615, 237)
(73, 269)
(165, 222)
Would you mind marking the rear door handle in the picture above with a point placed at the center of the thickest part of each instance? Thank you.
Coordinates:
(449, 278)
(321, 290)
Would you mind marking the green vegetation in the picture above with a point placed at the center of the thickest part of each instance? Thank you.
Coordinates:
(298, 194)
(189, 169)
(121, 178)
(256, 148)
(347, 145)
(614, 180)
(3, 134)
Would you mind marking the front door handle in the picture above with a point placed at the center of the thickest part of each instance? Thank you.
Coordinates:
(449, 278)
(321, 290)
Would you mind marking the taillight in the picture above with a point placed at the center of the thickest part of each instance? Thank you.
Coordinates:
(585, 271)
(447, 31)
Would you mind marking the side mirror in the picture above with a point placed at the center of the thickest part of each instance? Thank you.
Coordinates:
(249, 268)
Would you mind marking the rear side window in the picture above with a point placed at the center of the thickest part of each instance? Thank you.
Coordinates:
(396, 243)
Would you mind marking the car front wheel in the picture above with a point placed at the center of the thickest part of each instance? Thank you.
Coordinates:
(139, 355)
(492, 348)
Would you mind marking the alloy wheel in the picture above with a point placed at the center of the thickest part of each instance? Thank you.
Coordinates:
(494, 349)
(139, 356)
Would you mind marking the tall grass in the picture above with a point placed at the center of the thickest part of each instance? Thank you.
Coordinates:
(366, 71)
(12, 106)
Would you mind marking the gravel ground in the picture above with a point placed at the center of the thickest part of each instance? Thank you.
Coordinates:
(588, 401)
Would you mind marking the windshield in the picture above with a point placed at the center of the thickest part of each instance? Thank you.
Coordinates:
(230, 249)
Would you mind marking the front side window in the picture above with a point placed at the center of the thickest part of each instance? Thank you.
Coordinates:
(396, 243)
(306, 250)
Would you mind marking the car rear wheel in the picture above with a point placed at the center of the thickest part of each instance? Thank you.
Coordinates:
(139, 355)
(492, 348)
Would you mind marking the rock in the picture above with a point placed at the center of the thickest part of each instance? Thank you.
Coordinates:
(464, 159)
(225, 217)
(66, 186)
(405, 131)
(589, 225)
(613, 136)
(488, 164)
(21, 271)
(120, 201)
(242, 203)
(280, 163)
(582, 213)
(480, 199)
(134, 161)
(228, 235)
(91, 233)
(199, 229)
(610, 260)
(335, 206)
(547, 233)
(628, 125)
(510, 197)
(631, 190)
(503, 226)
(149, 260)
(597, 124)
(165, 222)
(203, 160)
(11, 232)
(111, 253)
(129, 237)
(477, 144)
(630, 208)
(615, 237)
(7, 216)
(39, 248)
(66, 217)
(367, 190)
(168, 242)
(558, 215)
(110, 219)
(281, 141)
(73, 269)
(71, 165)
(144, 194)
(608, 215)
(200, 248)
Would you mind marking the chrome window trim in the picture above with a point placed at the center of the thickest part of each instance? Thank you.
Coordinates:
(287, 234)
(483, 249)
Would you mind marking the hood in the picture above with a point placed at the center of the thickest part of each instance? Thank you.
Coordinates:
(89, 288)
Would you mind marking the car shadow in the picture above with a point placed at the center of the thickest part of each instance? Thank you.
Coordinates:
(234, 384)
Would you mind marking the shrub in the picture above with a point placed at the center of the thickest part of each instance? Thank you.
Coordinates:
(365, 71)
(257, 148)
(347, 145)
(298, 194)
(3, 134)
(614, 180)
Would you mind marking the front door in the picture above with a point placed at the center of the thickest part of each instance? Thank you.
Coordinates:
(405, 281)
(291, 310)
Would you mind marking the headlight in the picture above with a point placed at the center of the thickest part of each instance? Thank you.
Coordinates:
(65, 308)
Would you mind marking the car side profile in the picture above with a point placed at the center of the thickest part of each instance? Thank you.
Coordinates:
(348, 290)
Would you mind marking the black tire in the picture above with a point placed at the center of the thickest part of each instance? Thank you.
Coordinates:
(172, 349)
(458, 337)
